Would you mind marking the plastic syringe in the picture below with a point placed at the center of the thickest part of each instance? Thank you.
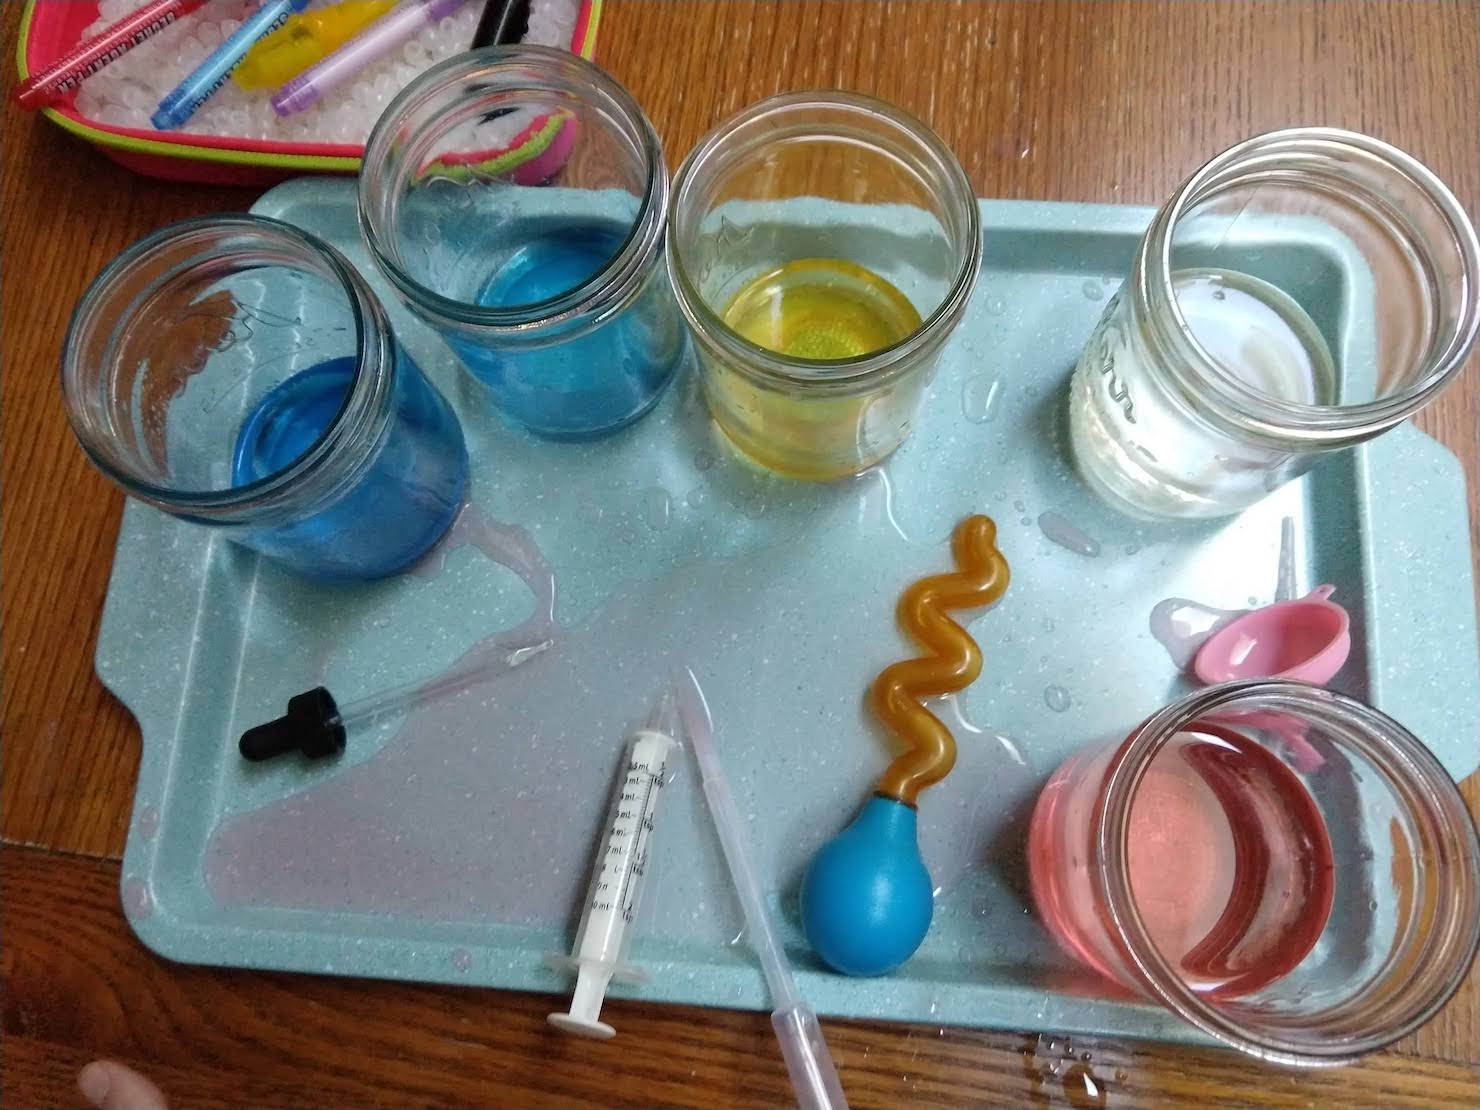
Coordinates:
(617, 875)
(808, 1061)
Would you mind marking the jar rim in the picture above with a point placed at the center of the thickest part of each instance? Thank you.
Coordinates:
(868, 370)
(601, 294)
(1401, 753)
(1270, 417)
(310, 472)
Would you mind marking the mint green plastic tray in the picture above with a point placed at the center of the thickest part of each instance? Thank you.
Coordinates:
(456, 848)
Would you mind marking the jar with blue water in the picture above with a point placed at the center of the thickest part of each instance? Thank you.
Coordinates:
(237, 372)
(515, 198)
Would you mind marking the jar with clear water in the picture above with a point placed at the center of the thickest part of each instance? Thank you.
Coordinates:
(237, 372)
(515, 198)
(1303, 292)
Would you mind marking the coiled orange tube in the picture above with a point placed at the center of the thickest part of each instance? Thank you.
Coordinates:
(952, 665)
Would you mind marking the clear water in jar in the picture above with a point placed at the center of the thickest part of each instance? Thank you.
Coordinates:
(1142, 449)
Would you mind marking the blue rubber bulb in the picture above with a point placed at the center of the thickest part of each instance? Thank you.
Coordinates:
(866, 899)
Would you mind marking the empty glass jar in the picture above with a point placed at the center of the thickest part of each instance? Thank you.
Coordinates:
(515, 198)
(237, 372)
(823, 247)
(1302, 292)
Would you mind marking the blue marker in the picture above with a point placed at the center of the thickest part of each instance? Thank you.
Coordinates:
(185, 99)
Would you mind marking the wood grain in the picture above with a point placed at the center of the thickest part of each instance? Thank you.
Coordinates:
(1077, 100)
(78, 985)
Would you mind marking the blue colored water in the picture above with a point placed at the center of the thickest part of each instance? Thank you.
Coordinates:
(579, 382)
(553, 264)
(394, 509)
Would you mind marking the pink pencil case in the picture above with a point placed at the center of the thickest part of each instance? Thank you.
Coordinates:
(50, 27)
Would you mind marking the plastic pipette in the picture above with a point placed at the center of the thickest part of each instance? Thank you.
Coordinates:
(181, 102)
(376, 41)
(306, 38)
(1284, 587)
(808, 1062)
(103, 49)
(617, 876)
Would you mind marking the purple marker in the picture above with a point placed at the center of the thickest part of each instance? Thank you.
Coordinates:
(375, 42)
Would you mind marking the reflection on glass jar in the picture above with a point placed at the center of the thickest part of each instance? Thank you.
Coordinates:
(237, 372)
(515, 198)
(823, 248)
(1302, 292)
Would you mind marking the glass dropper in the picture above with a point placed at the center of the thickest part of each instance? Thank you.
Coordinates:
(316, 724)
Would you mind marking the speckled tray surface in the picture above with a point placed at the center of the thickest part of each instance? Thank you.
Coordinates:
(454, 843)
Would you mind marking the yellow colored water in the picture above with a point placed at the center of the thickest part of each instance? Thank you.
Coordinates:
(821, 308)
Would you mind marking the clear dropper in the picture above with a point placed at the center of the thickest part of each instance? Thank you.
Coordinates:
(808, 1061)
(1284, 588)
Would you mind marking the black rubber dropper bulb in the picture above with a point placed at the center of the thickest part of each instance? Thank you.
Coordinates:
(312, 726)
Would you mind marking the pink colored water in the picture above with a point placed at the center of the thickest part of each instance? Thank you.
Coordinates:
(1229, 862)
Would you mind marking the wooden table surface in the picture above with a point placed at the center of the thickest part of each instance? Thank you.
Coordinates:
(1081, 101)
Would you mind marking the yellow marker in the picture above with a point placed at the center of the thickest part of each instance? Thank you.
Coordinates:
(304, 39)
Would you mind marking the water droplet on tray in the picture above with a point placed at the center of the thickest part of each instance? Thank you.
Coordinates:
(462, 959)
(1093, 290)
(148, 821)
(657, 508)
(1181, 626)
(696, 497)
(136, 899)
(1057, 698)
(1082, 1089)
(703, 460)
(1060, 531)
(996, 307)
(979, 396)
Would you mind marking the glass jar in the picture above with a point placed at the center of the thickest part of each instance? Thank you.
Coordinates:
(237, 372)
(823, 247)
(515, 197)
(1288, 869)
(1302, 292)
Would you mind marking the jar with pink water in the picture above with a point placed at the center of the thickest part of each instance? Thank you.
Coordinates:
(1287, 868)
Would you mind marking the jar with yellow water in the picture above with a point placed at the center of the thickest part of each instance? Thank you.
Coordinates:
(823, 247)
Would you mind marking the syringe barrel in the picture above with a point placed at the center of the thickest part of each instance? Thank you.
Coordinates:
(622, 861)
